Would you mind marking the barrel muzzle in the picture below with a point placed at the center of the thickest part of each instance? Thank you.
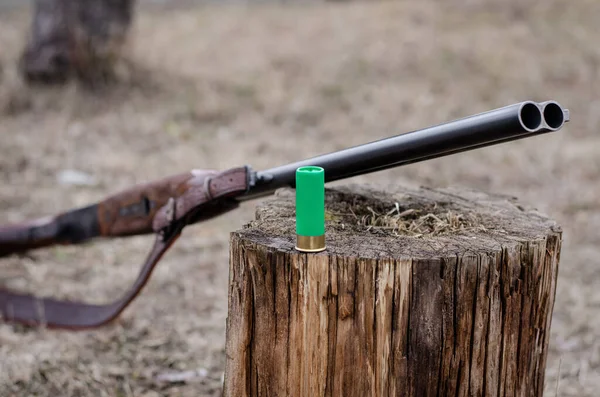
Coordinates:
(554, 115)
(530, 116)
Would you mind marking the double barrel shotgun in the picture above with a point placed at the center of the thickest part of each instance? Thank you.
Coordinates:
(164, 207)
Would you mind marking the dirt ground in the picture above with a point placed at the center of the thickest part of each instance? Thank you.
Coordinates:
(221, 86)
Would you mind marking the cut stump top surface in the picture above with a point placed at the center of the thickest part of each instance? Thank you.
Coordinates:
(395, 221)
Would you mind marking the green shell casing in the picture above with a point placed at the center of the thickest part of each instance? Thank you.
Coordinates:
(310, 201)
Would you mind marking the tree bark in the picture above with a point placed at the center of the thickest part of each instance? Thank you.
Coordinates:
(81, 38)
(420, 292)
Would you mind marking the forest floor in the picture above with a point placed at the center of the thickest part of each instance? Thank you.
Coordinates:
(210, 86)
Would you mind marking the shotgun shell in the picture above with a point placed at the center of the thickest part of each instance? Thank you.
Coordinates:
(310, 209)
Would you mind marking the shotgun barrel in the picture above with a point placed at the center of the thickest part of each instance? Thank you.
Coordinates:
(517, 121)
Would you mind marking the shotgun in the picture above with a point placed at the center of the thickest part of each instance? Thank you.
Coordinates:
(164, 207)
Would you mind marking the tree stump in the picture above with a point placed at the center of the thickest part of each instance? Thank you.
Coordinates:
(421, 292)
(81, 38)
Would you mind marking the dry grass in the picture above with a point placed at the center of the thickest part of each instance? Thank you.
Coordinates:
(220, 86)
(414, 222)
(448, 222)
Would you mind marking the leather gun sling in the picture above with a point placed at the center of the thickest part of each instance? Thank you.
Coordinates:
(199, 202)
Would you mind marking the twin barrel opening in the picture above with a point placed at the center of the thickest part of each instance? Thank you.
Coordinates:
(544, 115)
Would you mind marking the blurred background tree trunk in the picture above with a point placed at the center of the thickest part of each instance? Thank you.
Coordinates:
(75, 38)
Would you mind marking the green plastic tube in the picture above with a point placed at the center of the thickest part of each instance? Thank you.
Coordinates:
(310, 209)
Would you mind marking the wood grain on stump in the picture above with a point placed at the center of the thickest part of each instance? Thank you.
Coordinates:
(420, 292)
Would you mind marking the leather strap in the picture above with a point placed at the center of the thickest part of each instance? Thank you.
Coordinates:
(214, 197)
(51, 313)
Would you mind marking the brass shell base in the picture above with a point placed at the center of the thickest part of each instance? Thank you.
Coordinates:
(310, 243)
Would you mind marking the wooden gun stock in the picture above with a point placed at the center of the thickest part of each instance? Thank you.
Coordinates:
(129, 212)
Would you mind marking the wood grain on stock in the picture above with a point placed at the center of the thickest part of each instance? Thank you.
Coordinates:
(466, 312)
(132, 211)
(129, 212)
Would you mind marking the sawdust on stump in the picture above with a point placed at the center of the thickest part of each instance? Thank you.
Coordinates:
(420, 292)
